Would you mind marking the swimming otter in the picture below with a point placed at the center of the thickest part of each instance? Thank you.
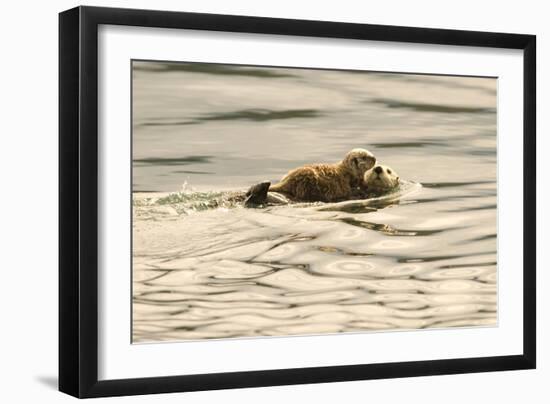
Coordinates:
(380, 179)
(377, 181)
(326, 182)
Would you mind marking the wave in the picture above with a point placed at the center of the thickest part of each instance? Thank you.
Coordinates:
(254, 115)
(421, 107)
(208, 68)
(189, 201)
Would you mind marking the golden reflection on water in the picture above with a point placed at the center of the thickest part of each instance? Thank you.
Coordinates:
(422, 258)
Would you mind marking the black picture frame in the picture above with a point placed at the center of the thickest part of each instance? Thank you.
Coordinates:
(78, 201)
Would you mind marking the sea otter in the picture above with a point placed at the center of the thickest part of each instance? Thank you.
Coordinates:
(326, 182)
(379, 180)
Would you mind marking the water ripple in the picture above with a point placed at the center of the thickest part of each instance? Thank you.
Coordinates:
(424, 256)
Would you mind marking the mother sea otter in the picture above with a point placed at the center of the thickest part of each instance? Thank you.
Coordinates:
(377, 181)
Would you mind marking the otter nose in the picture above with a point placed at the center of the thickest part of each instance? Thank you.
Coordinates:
(378, 169)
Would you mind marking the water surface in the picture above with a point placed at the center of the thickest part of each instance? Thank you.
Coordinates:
(425, 257)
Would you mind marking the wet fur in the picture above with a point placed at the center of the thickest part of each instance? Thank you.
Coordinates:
(318, 182)
(389, 179)
(327, 182)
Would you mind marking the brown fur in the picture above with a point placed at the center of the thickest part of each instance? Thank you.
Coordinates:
(326, 182)
(317, 182)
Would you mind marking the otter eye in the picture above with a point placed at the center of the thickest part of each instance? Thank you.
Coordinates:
(389, 171)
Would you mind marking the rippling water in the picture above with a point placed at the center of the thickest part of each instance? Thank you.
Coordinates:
(422, 257)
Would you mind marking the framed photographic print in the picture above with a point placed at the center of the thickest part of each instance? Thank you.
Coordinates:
(251, 201)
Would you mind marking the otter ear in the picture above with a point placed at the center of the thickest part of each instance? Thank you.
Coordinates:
(373, 161)
(355, 161)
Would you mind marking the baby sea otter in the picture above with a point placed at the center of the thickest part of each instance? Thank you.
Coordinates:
(326, 182)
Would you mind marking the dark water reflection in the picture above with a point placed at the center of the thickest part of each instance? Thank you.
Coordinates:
(423, 257)
(257, 115)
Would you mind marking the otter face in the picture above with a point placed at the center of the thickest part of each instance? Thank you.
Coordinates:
(381, 178)
(359, 161)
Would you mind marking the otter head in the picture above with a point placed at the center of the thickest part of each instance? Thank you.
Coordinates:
(380, 178)
(358, 161)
